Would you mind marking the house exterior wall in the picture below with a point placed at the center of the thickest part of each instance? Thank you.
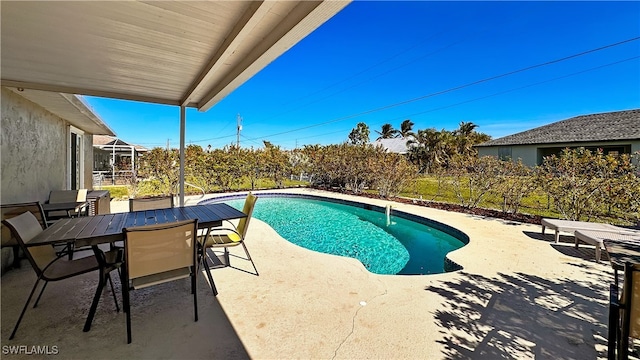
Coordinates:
(531, 155)
(34, 151)
(527, 153)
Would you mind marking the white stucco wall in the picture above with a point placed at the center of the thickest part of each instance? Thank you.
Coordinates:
(33, 151)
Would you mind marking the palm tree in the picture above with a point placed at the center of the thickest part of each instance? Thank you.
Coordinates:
(464, 137)
(406, 129)
(386, 132)
(467, 136)
(431, 148)
(466, 128)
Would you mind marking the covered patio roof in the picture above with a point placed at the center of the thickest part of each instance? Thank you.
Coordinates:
(184, 53)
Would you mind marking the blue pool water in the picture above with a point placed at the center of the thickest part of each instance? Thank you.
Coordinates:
(400, 247)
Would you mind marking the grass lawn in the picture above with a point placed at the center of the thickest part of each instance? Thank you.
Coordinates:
(431, 188)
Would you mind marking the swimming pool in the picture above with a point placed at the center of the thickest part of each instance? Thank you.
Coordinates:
(404, 244)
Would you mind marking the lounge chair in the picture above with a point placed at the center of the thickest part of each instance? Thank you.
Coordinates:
(226, 237)
(597, 238)
(571, 226)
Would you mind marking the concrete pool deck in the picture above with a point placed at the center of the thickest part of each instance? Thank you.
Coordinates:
(519, 295)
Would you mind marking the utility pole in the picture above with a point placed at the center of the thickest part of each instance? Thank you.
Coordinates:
(168, 144)
(239, 128)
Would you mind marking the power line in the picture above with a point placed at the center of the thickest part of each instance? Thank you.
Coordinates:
(475, 34)
(483, 97)
(455, 88)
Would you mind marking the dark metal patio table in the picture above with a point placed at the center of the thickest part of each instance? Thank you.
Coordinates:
(108, 228)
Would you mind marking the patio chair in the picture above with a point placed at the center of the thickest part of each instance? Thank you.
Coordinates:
(157, 254)
(152, 203)
(571, 226)
(7, 211)
(66, 196)
(624, 313)
(226, 237)
(50, 267)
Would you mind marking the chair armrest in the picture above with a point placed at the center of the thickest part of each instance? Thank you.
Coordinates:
(235, 229)
(217, 230)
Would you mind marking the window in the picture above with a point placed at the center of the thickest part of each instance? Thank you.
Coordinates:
(504, 153)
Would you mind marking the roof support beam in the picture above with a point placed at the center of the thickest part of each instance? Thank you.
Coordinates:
(183, 125)
(303, 19)
(243, 28)
(82, 91)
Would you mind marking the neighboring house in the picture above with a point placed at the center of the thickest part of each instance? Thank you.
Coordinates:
(109, 150)
(614, 132)
(393, 145)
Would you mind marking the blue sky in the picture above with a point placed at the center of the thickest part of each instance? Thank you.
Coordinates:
(436, 63)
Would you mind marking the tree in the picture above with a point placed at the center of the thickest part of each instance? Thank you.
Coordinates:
(467, 136)
(473, 177)
(406, 129)
(275, 163)
(386, 132)
(161, 169)
(516, 183)
(392, 173)
(359, 135)
(583, 183)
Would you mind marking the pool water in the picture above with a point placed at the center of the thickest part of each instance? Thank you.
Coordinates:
(400, 246)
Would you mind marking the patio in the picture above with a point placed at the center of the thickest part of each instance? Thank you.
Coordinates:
(518, 296)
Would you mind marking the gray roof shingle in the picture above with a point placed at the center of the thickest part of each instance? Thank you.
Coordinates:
(618, 125)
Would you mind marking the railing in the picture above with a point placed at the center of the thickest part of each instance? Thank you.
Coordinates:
(102, 177)
(177, 192)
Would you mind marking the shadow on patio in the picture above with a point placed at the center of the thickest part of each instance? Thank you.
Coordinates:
(162, 320)
(523, 316)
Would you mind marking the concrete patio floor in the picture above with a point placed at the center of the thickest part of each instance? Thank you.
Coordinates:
(519, 296)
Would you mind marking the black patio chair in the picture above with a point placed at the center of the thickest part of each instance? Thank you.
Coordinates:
(50, 266)
(624, 313)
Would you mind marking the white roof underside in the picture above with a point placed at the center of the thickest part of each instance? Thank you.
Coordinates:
(191, 53)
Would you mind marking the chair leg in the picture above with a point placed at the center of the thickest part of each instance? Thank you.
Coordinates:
(39, 296)
(113, 291)
(249, 257)
(94, 304)
(614, 318)
(16, 257)
(124, 283)
(206, 266)
(24, 309)
(194, 290)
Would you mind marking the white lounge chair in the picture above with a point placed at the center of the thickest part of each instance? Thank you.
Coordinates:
(571, 226)
(597, 238)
